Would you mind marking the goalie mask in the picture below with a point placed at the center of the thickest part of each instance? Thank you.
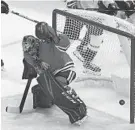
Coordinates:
(29, 42)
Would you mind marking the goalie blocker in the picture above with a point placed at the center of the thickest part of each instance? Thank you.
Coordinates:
(40, 100)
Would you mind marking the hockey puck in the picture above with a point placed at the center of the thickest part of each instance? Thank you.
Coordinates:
(121, 102)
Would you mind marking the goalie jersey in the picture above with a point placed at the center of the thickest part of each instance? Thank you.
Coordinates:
(47, 51)
(55, 55)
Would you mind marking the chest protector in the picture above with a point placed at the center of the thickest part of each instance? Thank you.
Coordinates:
(52, 55)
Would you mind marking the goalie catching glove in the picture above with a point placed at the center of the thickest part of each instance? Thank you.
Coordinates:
(30, 46)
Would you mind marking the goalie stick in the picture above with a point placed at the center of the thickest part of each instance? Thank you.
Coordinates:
(19, 109)
(16, 13)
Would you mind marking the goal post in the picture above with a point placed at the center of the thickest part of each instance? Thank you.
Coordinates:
(109, 34)
(132, 82)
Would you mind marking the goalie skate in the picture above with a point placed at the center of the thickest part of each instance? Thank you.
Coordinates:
(78, 56)
(80, 122)
(89, 68)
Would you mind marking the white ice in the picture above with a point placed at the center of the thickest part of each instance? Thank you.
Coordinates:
(104, 110)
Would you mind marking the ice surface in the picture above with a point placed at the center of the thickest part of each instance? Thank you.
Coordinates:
(104, 110)
(55, 119)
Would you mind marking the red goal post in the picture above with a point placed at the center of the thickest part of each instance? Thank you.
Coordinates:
(129, 35)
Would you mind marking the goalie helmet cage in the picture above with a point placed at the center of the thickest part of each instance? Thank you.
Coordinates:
(58, 23)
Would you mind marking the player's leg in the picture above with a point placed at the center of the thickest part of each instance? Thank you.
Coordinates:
(89, 67)
(80, 51)
(92, 49)
(63, 96)
(72, 28)
(65, 78)
(89, 47)
(87, 55)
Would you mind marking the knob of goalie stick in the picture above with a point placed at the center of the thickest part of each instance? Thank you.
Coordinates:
(13, 109)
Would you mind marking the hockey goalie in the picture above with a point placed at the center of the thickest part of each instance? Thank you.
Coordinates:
(47, 55)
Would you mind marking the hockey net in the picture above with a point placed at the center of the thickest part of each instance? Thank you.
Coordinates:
(100, 46)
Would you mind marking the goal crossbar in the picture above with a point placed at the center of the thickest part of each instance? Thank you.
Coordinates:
(107, 28)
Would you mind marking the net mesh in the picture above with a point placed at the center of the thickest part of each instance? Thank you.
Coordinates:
(97, 53)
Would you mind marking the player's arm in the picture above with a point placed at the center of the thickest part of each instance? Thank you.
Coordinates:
(39, 65)
(110, 6)
(131, 6)
(45, 32)
(71, 4)
(125, 6)
(32, 60)
(66, 77)
(63, 43)
(31, 50)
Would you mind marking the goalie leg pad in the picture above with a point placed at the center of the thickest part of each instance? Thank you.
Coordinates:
(40, 100)
(65, 98)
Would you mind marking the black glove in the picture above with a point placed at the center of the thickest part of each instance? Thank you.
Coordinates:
(4, 7)
(44, 31)
(113, 9)
(131, 6)
(29, 71)
(72, 4)
(103, 9)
